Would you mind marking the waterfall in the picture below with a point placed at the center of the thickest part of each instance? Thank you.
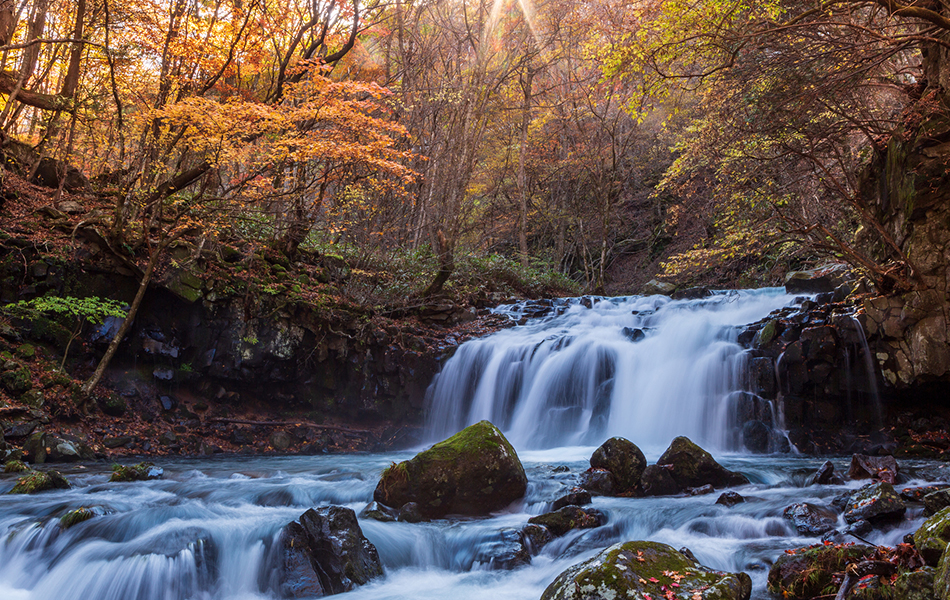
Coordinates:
(645, 368)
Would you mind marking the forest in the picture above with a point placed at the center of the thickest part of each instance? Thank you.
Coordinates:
(609, 141)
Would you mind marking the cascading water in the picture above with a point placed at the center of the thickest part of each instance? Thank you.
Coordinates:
(645, 368)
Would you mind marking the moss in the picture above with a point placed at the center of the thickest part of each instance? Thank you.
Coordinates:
(808, 573)
(15, 466)
(17, 381)
(932, 537)
(74, 517)
(39, 481)
(140, 472)
(26, 351)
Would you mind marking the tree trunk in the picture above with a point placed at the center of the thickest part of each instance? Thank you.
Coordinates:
(93, 381)
(522, 175)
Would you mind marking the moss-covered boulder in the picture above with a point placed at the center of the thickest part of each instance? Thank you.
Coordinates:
(324, 553)
(40, 481)
(45, 447)
(15, 466)
(691, 466)
(80, 515)
(875, 502)
(624, 461)
(807, 573)
(915, 585)
(474, 472)
(568, 518)
(932, 537)
(143, 471)
(646, 570)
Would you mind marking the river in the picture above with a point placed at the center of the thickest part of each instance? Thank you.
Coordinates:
(557, 386)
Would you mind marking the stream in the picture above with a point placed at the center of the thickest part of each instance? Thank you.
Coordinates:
(558, 386)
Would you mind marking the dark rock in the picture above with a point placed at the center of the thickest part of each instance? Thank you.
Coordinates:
(810, 519)
(568, 518)
(168, 403)
(598, 481)
(762, 375)
(808, 573)
(143, 471)
(642, 570)
(624, 461)
(503, 552)
(241, 437)
(917, 494)
(701, 490)
(657, 481)
(378, 512)
(881, 468)
(326, 553)
(535, 537)
(730, 498)
(816, 281)
(410, 512)
(576, 497)
(168, 438)
(474, 472)
(116, 442)
(875, 502)
(915, 585)
(825, 475)
(45, 447)
(932, 537)
(281, 440)
(934, 502)
(633, 334)
(693, 293)
(19, 430)
(691, 466)
(756, 436)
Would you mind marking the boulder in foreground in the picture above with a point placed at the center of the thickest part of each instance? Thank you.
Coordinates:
(474, 472)
(326, 553)
(644, 570)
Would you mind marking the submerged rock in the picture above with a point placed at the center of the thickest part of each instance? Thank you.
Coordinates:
(690, 466)
(474, 472)
(810, 519)
(143, 471)
(568, 518)
(504, 552)
(624, 461)
(875, 502)
(645, 570)
(807, 573)
(326, 553)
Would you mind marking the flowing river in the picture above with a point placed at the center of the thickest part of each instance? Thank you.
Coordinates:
(207, 529)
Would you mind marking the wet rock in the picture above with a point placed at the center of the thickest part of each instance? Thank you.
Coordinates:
(875, 502)
(633, 334)
(410, 512)
(624, 461)
(79, 515)
(755, 436)
(505, 551)
(576, 497)
(657, 481)
(810, 519)
(474, 472)
(116, 442)
(809, 572)
(40, 481)
(15, 466)
(691, 466)
(730, 499)
(936, 501)
(324, 553)
(693, 293)
(825, 475)
(643, 570)
(932, 537)
(915, 585)
(702, 490)
(598, 481)
(143, 471)
(917, 494)
(535, 537)
(46, 447)
(378, 512)
(881, 468)
(569, 518)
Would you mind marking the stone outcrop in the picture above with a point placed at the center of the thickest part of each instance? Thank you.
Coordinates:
(474, 472)
(691, 467)
(325, 553)
(645, 570)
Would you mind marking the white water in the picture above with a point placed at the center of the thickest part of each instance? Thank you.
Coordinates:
(577, 379)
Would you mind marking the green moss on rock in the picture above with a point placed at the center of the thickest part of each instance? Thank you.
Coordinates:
(74, 517)
(640, 570)
(474, 472)
(15, 466)
(140, 472)
(39, 481)
(932, 537)
(808, 573)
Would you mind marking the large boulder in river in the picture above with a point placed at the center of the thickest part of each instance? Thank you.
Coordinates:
(874, 502)
(325, 553)
(690, 466)
(657, 481)
(932, 537)
(624, 461)
(474, 472)
(641, 570)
